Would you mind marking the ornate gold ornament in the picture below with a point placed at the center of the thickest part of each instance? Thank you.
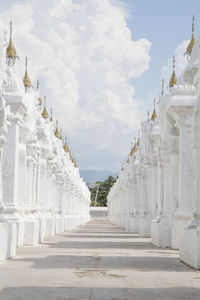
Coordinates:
(61, 138)
(56, 133)
(192, 41)
(45, 114)
(26, 80)
(163, 87)
(154, 114)
(134, 148)
(148, 114)
(65, 147)
(11, 53)
(173, 80)
(39, 99)
(51, 117)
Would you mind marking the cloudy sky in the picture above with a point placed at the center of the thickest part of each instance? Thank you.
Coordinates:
(100, 64)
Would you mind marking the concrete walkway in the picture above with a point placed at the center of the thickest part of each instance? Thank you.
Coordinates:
(97, 262)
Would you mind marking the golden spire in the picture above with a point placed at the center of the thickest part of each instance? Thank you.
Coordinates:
(45, 113)
(192, 41)
(65, 147)
(70, 155)
(138, 141)
(73, 158)
(134, 148)
(51, 117)
(11, 51)
(127, 160)
(75, 162)
(135, 145)
(148, 116)
(154, 114)
(56, 133)
(173, 80)
(39, 99)
(26, 80)
(132, 152)
(61, 135)
(163, 87)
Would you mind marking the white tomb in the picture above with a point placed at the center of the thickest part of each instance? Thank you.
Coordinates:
(157, 193)
(41, 191)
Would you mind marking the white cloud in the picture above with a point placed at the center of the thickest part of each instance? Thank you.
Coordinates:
(84, 56)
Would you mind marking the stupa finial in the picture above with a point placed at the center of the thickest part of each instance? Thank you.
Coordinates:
(75, 162)
(39, 99)
(61, 138)
(11, 53)
(192, 41)
(51, 117)
(56, 133)
(65, 147)
(163, 87)
(45, 114)
(173, 80)
(26, 80)
(154, 114)
(134, 148)
(148, 114)
(138, 140)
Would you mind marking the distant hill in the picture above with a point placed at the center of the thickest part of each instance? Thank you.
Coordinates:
(92, 176)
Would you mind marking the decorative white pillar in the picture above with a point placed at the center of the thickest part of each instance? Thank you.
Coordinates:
(10, 182)
(145, 222)
(181, 108)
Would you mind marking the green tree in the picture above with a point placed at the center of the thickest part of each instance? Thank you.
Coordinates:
(101, 189)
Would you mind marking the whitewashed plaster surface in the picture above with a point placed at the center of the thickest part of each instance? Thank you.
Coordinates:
(157, 193)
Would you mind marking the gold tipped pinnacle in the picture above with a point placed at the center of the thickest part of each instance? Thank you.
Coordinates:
(192, 41)
(73, 158)
(132, 152)
(70, 155)
(11, 51)
(138, 142)
(65, 147)
(39, 99)
(163, 87)
(148, 114)
(154, 114)
(51, 117)
(61, 138)
(134, 148)
(173, 80)
(75, 162)
(56, 133)
(45, 114)
(26, 80)
(127, 160)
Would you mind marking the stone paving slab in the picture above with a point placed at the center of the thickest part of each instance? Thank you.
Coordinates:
(97, 262)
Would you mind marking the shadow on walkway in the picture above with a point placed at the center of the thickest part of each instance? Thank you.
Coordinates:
(167, 264)
(81, 293)
(104, 236)
(131, 245)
